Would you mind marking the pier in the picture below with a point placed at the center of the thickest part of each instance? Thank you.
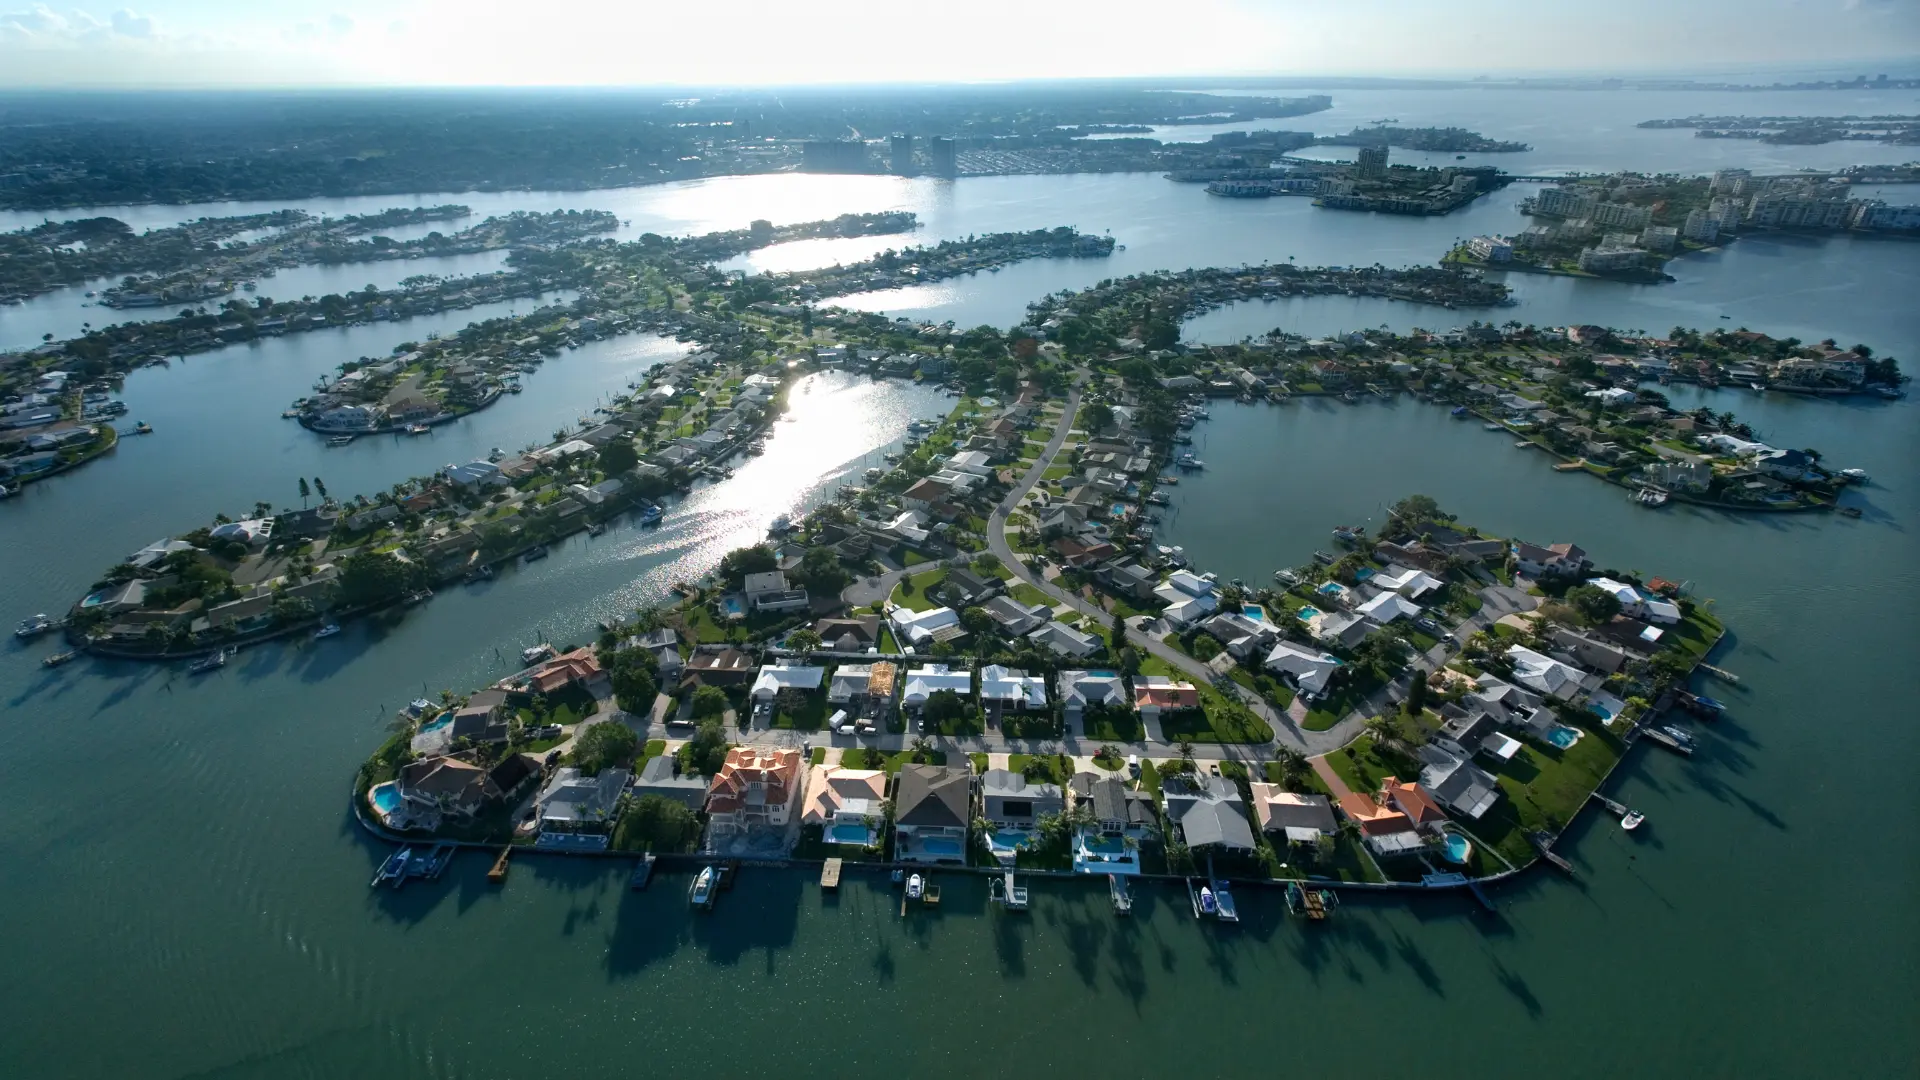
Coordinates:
(498, 874)
(830, 875)
(642, 873)
(1668, 741)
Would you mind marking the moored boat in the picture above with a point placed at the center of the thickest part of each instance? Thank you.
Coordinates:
(700, 893)
(326, 631)
(33, 626)
(1631, 820)
(59, 658)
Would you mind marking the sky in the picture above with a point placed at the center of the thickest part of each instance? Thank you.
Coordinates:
(282, 43)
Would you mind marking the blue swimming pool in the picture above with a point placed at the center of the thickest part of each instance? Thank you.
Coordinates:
(1563, 736)
(1306, 613)
(385, 797)
(1254, 612)
(1458, 848)
(1104, 674)
(1119, 510)
(1363, 573)
(941, 846)
(1008, 841)
(734, 607)
(1103, 845)
(437, 722)
(848, 832)
(1332, 588)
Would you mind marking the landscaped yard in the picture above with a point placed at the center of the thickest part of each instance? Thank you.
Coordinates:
(861, 757)
(1059, 767)
(917, 599)
(1029, 595)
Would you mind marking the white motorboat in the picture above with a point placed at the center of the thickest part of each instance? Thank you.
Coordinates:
(916, 887)
(326, 631)
(33, 627)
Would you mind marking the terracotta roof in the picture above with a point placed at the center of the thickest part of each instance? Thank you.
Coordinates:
(576, 666)
(1178, 696)
(777, 770)
(1415, 801)
(1373, 818)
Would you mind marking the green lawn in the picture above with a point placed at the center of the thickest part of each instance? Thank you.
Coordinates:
(1059, 767)
(1029, 595)
(861, 757)
(1215, 722)
(811, 716)
(1696, 634)
(1057, 472)
(1544, 788)
(818, 757)
(979, 763)
(917, 599)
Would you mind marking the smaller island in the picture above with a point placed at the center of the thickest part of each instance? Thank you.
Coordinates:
(1441, 140)
(1799, 130)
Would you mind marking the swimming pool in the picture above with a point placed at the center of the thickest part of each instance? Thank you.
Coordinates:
(1562, 736)
(1119, 510)
(1103, 845)
(1008, 841)
(1363, 573)
(1254, 612)
(1103, 674)
(849, 832)
(1307, 613)
(437, 722)
(1458, 848)
(941, 846)
(385, 797)
(1332, 588)
(735, 607)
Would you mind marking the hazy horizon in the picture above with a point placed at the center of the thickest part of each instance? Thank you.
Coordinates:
(307, 44)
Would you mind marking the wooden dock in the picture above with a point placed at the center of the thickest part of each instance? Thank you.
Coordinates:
(1667, 741)
(1544, 845)
(830, 875)
(1615, 807)
(1721, 674)
(498, 874)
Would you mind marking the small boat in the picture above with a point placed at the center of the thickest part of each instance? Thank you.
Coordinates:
(916, 887)
(326, 631)
(649, 514)
(495, 454)
(59, 658)
(1650, 497)
(1350, 534)
(1889, 392)
(1678, 735)
(1223, 904)
(700, 893)
(538, 552)
(417, 596)
(143, 428)
(418, 429)
(340, 440)
(1286, 577)
(596, 529)
(208, 663)
(1757, 387)
(9, 492)
(479, 574)
(1188, 461)
(1631, 820)
(642, 872)
(1854, 476)
(394, 870)
(33, 627)
(1459, 410)
(537, 653)
(1850, 511)
(1492, 427)
(1208, 905)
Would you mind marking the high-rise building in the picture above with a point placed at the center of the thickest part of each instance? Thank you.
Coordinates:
(940, 156)
(1373, 161)
(1563, 202)
(901, 154)
(1701, 227)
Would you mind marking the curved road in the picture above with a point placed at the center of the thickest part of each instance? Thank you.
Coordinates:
(1287, 731)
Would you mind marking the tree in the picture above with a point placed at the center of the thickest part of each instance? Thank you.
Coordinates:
(976, 620)
(305, 493)
(709, 702)
(320, 486)
(1594, 604)
(371, 577)
(1096, 417)
(706, 752)
(1119, 630)
(1416, 510)
(653, 821)
(747, 560)
(1416, 692)
(1383, 732)
(618, 457)
(943, 706)
(1186, 751)
(803, 641)
(604, 745)
(631, 674)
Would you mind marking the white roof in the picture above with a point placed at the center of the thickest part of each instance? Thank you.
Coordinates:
(1413, 583)
(1389, 606)
(1062, 638)
(1006, 684)
(473, 472)
(1543, 673)
(1089, 688)
(1665, 611)
(1190, 583)
(924, 682)
(567, 449)
(919, 626)
(1620, 590)
(777, 677)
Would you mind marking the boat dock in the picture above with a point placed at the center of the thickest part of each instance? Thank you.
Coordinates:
(642, 872)
(1224, 908)
(1117, 892)
(1543, 843)
(830, 875)
(410, 862)
(498, 874)
(1721, 673)
(1315, 904)
(1008, 893)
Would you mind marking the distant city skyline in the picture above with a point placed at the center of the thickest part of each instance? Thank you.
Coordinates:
(297, 43)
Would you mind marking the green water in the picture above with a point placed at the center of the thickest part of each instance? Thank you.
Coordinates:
(185, 893)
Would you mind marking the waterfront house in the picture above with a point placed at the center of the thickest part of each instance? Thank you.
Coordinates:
(1157, 694)
(1386, 831)
(924, 494)
(1014, 618)
(477, 473)
(773, 679)
(1063, 640)
(1342, 628)
(1510, 706)
(1122, 819)
(1004, 688)
(756, 788)
(1310, 670)
(437, 787)
(1014, 807)
(1206, 812)
(1636, 604)
(573, 801)
(929, 679)
(933, 813)
(1456, 782)
(1080, 689)
(577, 668)
(1555, 560)
(770, 592)
(1294, 818)
(1589, 652)
(1415, 801)
(848, 805)
(660, 776)
(1412, 584)
(663, 645)
(1545, 675)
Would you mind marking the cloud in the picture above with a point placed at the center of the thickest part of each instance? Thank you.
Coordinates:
(42, 27)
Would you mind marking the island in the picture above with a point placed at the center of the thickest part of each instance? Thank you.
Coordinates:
(1446, 140)
(1799, 130)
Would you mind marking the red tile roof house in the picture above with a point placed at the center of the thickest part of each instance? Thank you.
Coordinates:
(757, 788)
(1157, 694)
(1392, 821)
(567, 669)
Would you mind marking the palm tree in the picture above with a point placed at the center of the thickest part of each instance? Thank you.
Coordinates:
(1186, 751)
(1383, 732)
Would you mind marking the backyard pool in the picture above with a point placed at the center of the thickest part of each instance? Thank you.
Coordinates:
(1332, 588)
(849, 832)
(385, 797)
(734, 606)
(1562, 736)
(1119, 511)
(1254, 612)
(1005, 842)
(1458, 848)
(942, 846)
(1307, 613)
(437, 722)
(1103, 845)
